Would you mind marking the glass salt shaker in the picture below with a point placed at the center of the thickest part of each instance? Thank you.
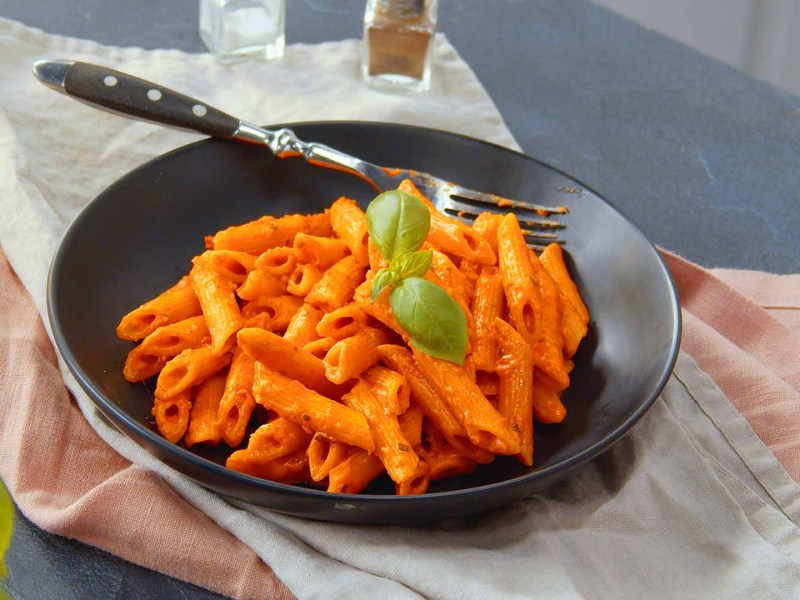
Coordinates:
(243, 29)
(398, 42)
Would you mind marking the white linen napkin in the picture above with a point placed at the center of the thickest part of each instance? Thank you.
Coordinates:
(691, 504)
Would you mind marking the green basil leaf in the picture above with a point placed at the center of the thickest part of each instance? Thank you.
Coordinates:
(6, 527)
(432, 319)
(412, 264)
(383, 279)
(398, 222)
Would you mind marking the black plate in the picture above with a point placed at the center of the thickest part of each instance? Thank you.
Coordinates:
(138, 236)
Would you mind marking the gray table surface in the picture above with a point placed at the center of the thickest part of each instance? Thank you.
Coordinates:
(705, 160)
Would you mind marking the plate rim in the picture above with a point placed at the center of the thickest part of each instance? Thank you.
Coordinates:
(107, 405)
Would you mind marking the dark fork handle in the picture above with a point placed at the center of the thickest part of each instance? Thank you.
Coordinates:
(134, 97)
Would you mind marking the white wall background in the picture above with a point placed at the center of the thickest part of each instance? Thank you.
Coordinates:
(760, 37)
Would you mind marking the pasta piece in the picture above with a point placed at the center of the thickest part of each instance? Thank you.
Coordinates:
(237, 402)
(416, 484)
(337, 285)
(278, 311)
(354, 473)
(170, 340)
(349, 223)
(175, 304)
(302, 327)
(446, 462)
(287, 469)
(485, 427)
(279, 354)
(343, 322)
(431, 403)
(231, 264)
(203, 417)
(218, 301)
(394, 450)
(390, 388)
(522, 294)
(269, 232)
(267, 445)
(547, 406)
(488, 383)
(324, 455)
(320, 347)
(548, 352)
(515, 399)
(172, 415)
(303, 279)
(486, 225)
(260, 285)
(322, 252)
(279, 261)
(488, 304)
(411, 425)
(189, 368)
(350, 357)
(452, 236)
(575, 316)
(140, 366)
(292, 400)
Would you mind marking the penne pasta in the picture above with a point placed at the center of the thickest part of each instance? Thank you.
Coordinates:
(292, 400)
(453, 236)
(515, 396)
(302, 327)
(343, 322)
(237, 402)
(231, 264)
(279, 354)
(139, 365)
(218, 301)
(175, 304)
(322, 252)
(390, 387)
(170, 340)
(172, 415)
(324, 455)
(350, 224)
(337, 285)
(203, 416)
(350, 357)
(260, 285)
(488, 304)
(486, 428)
(269, 232)
(303, 279)
(189, 368)
(274, 331)
(355, 473)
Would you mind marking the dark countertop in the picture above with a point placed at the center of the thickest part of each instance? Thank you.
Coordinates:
(705, 160)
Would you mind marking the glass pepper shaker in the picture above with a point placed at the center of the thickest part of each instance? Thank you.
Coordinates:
(398, 42)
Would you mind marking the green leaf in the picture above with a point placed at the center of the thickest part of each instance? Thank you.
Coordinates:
(412, 264)
(383, 279)
(398, 223)
(433, 320)
(6, 527)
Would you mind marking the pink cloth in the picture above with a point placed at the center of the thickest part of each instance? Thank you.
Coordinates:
(68, 481)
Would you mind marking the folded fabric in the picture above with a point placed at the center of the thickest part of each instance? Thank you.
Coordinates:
(691, 503)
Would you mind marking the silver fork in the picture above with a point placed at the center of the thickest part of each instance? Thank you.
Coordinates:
(130, 96)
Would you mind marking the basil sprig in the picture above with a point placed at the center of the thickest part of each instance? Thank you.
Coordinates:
(6, 527)
(398, 224)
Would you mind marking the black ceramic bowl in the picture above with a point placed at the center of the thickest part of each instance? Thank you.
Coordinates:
(138, 236)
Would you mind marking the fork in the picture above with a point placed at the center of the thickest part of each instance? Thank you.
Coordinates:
(130, 96)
